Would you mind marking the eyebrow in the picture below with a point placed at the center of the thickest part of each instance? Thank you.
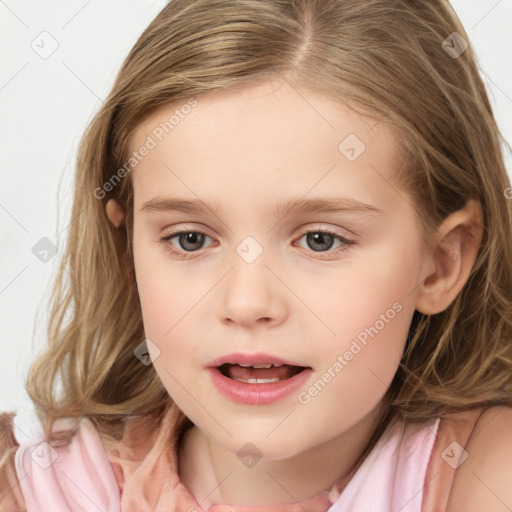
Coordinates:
(293, 205)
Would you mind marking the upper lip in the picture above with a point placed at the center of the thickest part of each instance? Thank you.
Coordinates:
(251, 359)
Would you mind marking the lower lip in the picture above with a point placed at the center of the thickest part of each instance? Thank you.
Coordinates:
(258, 394)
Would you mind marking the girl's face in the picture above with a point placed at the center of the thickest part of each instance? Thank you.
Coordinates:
(249, 279)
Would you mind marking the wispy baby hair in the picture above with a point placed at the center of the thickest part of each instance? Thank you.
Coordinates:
(385, 58)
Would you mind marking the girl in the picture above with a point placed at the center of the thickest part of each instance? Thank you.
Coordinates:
(288, 277)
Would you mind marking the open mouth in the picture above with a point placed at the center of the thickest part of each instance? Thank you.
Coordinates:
(259, 374)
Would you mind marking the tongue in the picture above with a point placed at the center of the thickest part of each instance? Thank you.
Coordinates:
(282, 372)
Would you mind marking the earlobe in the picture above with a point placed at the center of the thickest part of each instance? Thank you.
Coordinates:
(114, 212)
(457, 243)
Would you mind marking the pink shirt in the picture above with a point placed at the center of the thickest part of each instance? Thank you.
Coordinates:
(138, 471)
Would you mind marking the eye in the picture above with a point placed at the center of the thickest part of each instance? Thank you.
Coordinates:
(320, 241)
(189, 241)
(323, 240)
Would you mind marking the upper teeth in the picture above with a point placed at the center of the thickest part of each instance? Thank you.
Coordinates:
(258, 365)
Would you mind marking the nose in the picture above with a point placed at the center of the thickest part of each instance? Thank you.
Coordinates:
(252, 294)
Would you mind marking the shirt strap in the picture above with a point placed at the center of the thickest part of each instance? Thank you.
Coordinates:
(447, 455)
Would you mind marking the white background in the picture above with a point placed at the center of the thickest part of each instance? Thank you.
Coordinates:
(45, 105)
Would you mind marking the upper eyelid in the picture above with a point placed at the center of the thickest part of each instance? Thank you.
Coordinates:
(351, 239)
(302, 232)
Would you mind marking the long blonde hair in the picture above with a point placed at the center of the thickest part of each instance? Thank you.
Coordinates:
(385, 57)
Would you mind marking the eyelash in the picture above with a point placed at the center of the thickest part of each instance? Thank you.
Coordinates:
(166, 242)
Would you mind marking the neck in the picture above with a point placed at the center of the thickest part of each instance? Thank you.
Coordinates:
(215, 475)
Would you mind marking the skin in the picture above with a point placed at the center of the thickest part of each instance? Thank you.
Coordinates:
(246, 150)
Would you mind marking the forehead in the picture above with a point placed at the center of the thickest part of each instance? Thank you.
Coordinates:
(268, 137)
(274, 98)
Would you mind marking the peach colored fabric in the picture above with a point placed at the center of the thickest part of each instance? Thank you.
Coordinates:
(446, 457)
(135, 470)
(147, 472)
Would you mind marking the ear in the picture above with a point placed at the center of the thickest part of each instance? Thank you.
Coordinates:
(115, 215)
(114, 212)
(455, 248)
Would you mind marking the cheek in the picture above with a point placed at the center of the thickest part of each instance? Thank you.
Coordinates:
(357, 365)
(368, 310)
(167, 304)
(363, 288)
(166, 290)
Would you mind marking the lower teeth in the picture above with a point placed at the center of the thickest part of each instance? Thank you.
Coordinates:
(258, 381)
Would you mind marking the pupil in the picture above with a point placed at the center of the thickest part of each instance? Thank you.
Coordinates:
(318, 238)
(191, 238)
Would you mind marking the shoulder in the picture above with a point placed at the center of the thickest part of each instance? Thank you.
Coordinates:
(68, 467)
(483, 481)
(11, 498)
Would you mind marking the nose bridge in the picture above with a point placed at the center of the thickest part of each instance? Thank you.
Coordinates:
(251, 291)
